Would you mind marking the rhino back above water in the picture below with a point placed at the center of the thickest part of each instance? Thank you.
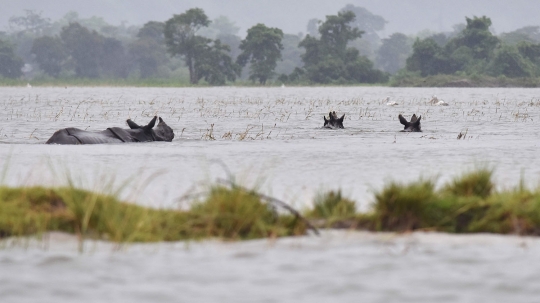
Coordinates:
(136, 133)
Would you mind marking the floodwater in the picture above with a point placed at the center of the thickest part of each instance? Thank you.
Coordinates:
(272, 138)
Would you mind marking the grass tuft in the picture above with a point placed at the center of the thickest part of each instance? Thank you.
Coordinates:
(403, 207)
(332, 205)
(226, 213)
(237, 214)
(475, 183)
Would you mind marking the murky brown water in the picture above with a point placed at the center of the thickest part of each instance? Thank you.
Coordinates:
(272, 137)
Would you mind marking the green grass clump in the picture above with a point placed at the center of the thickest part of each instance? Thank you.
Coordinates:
(403, 207)
(237, 214)
(332, 205)
(476, 183)
(466, 204)
(226, 213)
(516, 212)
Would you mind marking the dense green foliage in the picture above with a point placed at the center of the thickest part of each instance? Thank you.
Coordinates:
(343, 49)
(476, 51)
(328, 59)
(204, 58)
(50, 54)
(10, 63)
(394, 52)
(261, 48)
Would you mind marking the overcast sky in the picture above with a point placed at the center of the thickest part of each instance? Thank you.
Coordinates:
(406, 16)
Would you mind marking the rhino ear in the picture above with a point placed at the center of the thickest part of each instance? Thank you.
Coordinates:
(417, 122)
(402, 120)
(132, 124)
(152, 123)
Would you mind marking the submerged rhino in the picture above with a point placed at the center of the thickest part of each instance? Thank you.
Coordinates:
(413, 125)
(333, 121)
(136, 133)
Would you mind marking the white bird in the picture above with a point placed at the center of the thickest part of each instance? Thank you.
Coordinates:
(28, 85)
(435, 101)
(442, 103)
(390, 103)
(282, 85)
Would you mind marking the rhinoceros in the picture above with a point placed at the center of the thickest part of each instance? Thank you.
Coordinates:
(333, 121)
(135, 133)
(413, 125)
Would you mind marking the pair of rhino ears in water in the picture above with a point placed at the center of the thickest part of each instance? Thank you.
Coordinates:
(410, 126)
(162, 132)
(333, 121)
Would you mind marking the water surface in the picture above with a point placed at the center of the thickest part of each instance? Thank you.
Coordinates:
(272, 138)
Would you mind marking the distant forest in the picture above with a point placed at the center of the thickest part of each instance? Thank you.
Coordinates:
(345, 48)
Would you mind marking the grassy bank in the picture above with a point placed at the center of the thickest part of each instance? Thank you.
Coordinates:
(408, 80)
(69, 82)
(467, 204)
(462, 81)
(157, 82)
(225, 213)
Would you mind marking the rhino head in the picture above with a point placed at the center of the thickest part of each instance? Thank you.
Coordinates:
(411, 126)
(333, 121)
(161, 132)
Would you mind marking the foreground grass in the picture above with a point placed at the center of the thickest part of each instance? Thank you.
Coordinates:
(467, 204)
(225, 213)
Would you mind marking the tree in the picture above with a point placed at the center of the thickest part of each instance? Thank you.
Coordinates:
(393, 53)
(261, 48)
(113, 61)
(366, 21)
(428, 58)
(10, 64)
(215, 64)
(530, 51)
(152, 30)
(328, 59)
(85, 48)
(290, 55)
(324, 59)
(148, 51)
(313, 27)
(508, 61)
(337, 31)
(50, 54)
(477, 37)
(221, 26)
(370, 24)
(32, 23)
(181, 40)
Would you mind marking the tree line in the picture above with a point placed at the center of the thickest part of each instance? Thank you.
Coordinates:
(345, 48)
